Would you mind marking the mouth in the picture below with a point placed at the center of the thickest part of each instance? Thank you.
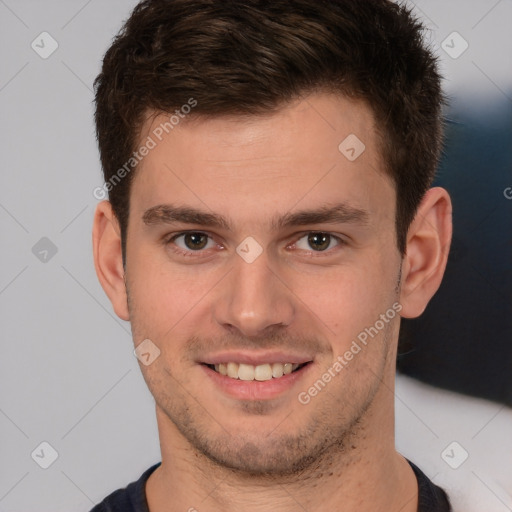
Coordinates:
(260, 375)
(261, 372)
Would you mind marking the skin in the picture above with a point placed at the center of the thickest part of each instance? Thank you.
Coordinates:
(225, 453)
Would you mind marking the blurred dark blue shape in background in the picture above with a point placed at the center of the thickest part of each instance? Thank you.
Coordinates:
(463, 341)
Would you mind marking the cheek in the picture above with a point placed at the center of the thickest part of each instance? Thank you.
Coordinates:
(349, 298)
(164, 296)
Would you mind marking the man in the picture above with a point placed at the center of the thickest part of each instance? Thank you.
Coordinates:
(270, 219)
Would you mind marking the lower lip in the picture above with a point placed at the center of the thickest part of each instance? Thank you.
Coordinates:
(254, 389)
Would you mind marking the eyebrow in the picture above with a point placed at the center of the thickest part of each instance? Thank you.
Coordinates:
(340, 213)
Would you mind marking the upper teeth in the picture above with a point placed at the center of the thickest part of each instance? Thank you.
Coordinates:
(261, 372)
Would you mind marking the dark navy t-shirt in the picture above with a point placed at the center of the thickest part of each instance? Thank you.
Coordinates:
(133, 498)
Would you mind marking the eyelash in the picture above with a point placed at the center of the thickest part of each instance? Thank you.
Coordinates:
(195, 254)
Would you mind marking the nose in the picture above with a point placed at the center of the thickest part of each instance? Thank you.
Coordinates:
(254, 299)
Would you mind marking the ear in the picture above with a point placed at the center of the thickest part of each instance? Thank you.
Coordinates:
(108, 259)
(428, 244)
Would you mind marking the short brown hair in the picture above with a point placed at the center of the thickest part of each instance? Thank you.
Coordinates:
(255, 56)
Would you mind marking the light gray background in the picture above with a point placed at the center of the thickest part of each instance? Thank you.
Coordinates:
(67, 372)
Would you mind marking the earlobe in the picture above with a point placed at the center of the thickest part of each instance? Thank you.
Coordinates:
(108, 261)
(428, 244)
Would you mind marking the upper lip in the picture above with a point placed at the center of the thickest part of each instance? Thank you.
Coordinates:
(257, 358)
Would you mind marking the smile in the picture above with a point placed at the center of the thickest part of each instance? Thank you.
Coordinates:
(256, 375)
(261, 372)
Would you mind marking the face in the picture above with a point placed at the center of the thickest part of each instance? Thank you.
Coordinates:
(257, 246)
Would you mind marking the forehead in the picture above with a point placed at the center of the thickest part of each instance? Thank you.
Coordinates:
(315, 150)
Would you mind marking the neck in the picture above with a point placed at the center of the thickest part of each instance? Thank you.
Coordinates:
(365, 474)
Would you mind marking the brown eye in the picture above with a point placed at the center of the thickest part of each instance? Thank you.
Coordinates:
(195, 241)
(191, 241)
(318, 242)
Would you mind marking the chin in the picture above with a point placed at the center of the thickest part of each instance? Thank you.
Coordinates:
(251, 459)
(260, 455)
